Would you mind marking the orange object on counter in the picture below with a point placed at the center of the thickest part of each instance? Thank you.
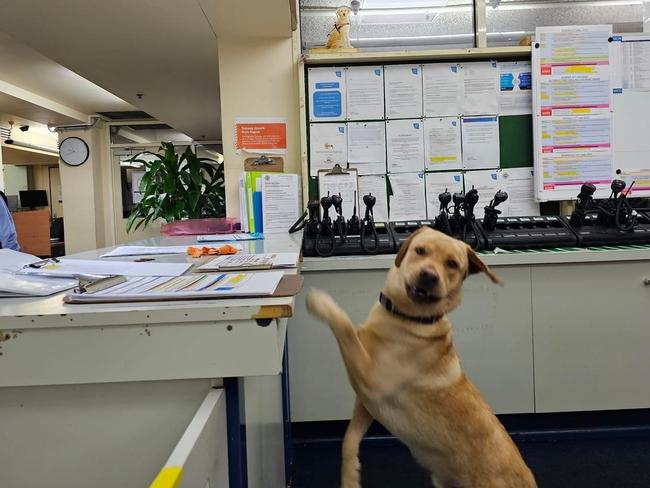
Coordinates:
(197, 252)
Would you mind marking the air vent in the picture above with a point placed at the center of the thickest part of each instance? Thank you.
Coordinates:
(132, 115)
(4, 133)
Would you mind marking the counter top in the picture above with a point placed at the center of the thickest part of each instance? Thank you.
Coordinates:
(501, 258)
(25, 313)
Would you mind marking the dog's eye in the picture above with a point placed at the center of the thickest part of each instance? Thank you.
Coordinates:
(452, 263)
(420, 251)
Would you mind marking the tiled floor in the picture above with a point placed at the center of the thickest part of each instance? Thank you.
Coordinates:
(606, 463)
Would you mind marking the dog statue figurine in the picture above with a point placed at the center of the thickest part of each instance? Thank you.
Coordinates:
(339, 36)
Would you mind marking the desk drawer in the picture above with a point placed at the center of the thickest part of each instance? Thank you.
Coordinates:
(57, 356)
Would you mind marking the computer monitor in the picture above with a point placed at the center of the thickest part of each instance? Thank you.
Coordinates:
(33, 198)
(12, 202)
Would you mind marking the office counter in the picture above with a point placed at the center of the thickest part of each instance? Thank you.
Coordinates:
(568, 331)
(101, 394)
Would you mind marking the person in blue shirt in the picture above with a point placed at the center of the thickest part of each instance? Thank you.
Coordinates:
(8, 239)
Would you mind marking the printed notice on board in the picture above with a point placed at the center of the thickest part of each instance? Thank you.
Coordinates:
(407, 201)
(403, 91)
(518, 183)
(376, 186)
(365, 92)
(261, 135)
(405, 145)
(367, 147)
(437, 183)
(443, 89)
(574, 69)
(328, 145)
(480, 142)
(480, 88)
(515, 88)
(487, 182)
(326, 94)
(442, 143)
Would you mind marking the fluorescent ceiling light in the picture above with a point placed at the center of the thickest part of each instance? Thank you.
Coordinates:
(390, 4)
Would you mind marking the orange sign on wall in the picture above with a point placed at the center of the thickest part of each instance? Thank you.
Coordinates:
(261, 135)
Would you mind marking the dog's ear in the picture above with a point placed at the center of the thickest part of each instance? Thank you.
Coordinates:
(405, 247)
(475, 265)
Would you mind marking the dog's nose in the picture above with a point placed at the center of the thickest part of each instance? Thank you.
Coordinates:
(427, 279)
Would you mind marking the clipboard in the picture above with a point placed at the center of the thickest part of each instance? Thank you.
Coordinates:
(340, 181)
(264, 163)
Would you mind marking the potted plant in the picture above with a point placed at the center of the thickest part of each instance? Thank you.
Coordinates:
(177, 188)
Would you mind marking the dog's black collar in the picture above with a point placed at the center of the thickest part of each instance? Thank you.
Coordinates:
(388, 304)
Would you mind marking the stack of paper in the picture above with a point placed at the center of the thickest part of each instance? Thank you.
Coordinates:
(230, 237)
(152, 288)
(270, 202)
(251, 261)
(121, 251)
(12, 285)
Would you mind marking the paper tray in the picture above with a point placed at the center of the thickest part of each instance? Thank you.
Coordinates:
(289, 286)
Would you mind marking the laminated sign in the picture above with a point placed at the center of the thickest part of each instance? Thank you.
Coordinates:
(263, 135)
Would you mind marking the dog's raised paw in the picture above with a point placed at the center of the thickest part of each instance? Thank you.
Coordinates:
(319, 303)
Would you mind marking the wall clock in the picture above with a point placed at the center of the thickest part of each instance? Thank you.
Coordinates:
(74, 151)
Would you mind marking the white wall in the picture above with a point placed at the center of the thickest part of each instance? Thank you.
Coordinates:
(86, 194)
(15, 178)
(258, 78)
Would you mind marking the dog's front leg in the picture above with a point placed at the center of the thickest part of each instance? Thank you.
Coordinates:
(356, 358)
(357, 428)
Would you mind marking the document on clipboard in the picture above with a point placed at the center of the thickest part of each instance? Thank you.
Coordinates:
(339, 181)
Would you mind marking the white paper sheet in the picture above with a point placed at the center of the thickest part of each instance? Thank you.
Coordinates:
(442, 148)
(635, 62)
(487, 182)
(75, 267)
(408, 200)
(516, 88)
(403, 91)
(376, 185)
(367, 143)
(437, 183)
(405, 145)
(574, 69)
(365, 92)
(327, 99)
(281, 201)
(443, 89)
(518, 183)
(480, 142)
(328, 145)
(480, 88)
(343, 184)
(122, 251)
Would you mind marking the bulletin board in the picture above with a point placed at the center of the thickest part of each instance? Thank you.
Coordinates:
(416, 129)
(590, 109)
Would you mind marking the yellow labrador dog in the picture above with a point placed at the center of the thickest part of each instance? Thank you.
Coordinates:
(405, 371)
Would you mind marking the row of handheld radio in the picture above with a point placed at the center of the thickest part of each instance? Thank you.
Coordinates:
(593, 222)
(324, 235)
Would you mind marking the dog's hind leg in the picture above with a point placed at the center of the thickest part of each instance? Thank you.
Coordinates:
(357, 428)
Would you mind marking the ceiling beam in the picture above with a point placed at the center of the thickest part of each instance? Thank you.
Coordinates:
(32, 102)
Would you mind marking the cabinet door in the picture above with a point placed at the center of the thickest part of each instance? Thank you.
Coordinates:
(492, 331)
(319, 384)
(494, 338)
(591, 336)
